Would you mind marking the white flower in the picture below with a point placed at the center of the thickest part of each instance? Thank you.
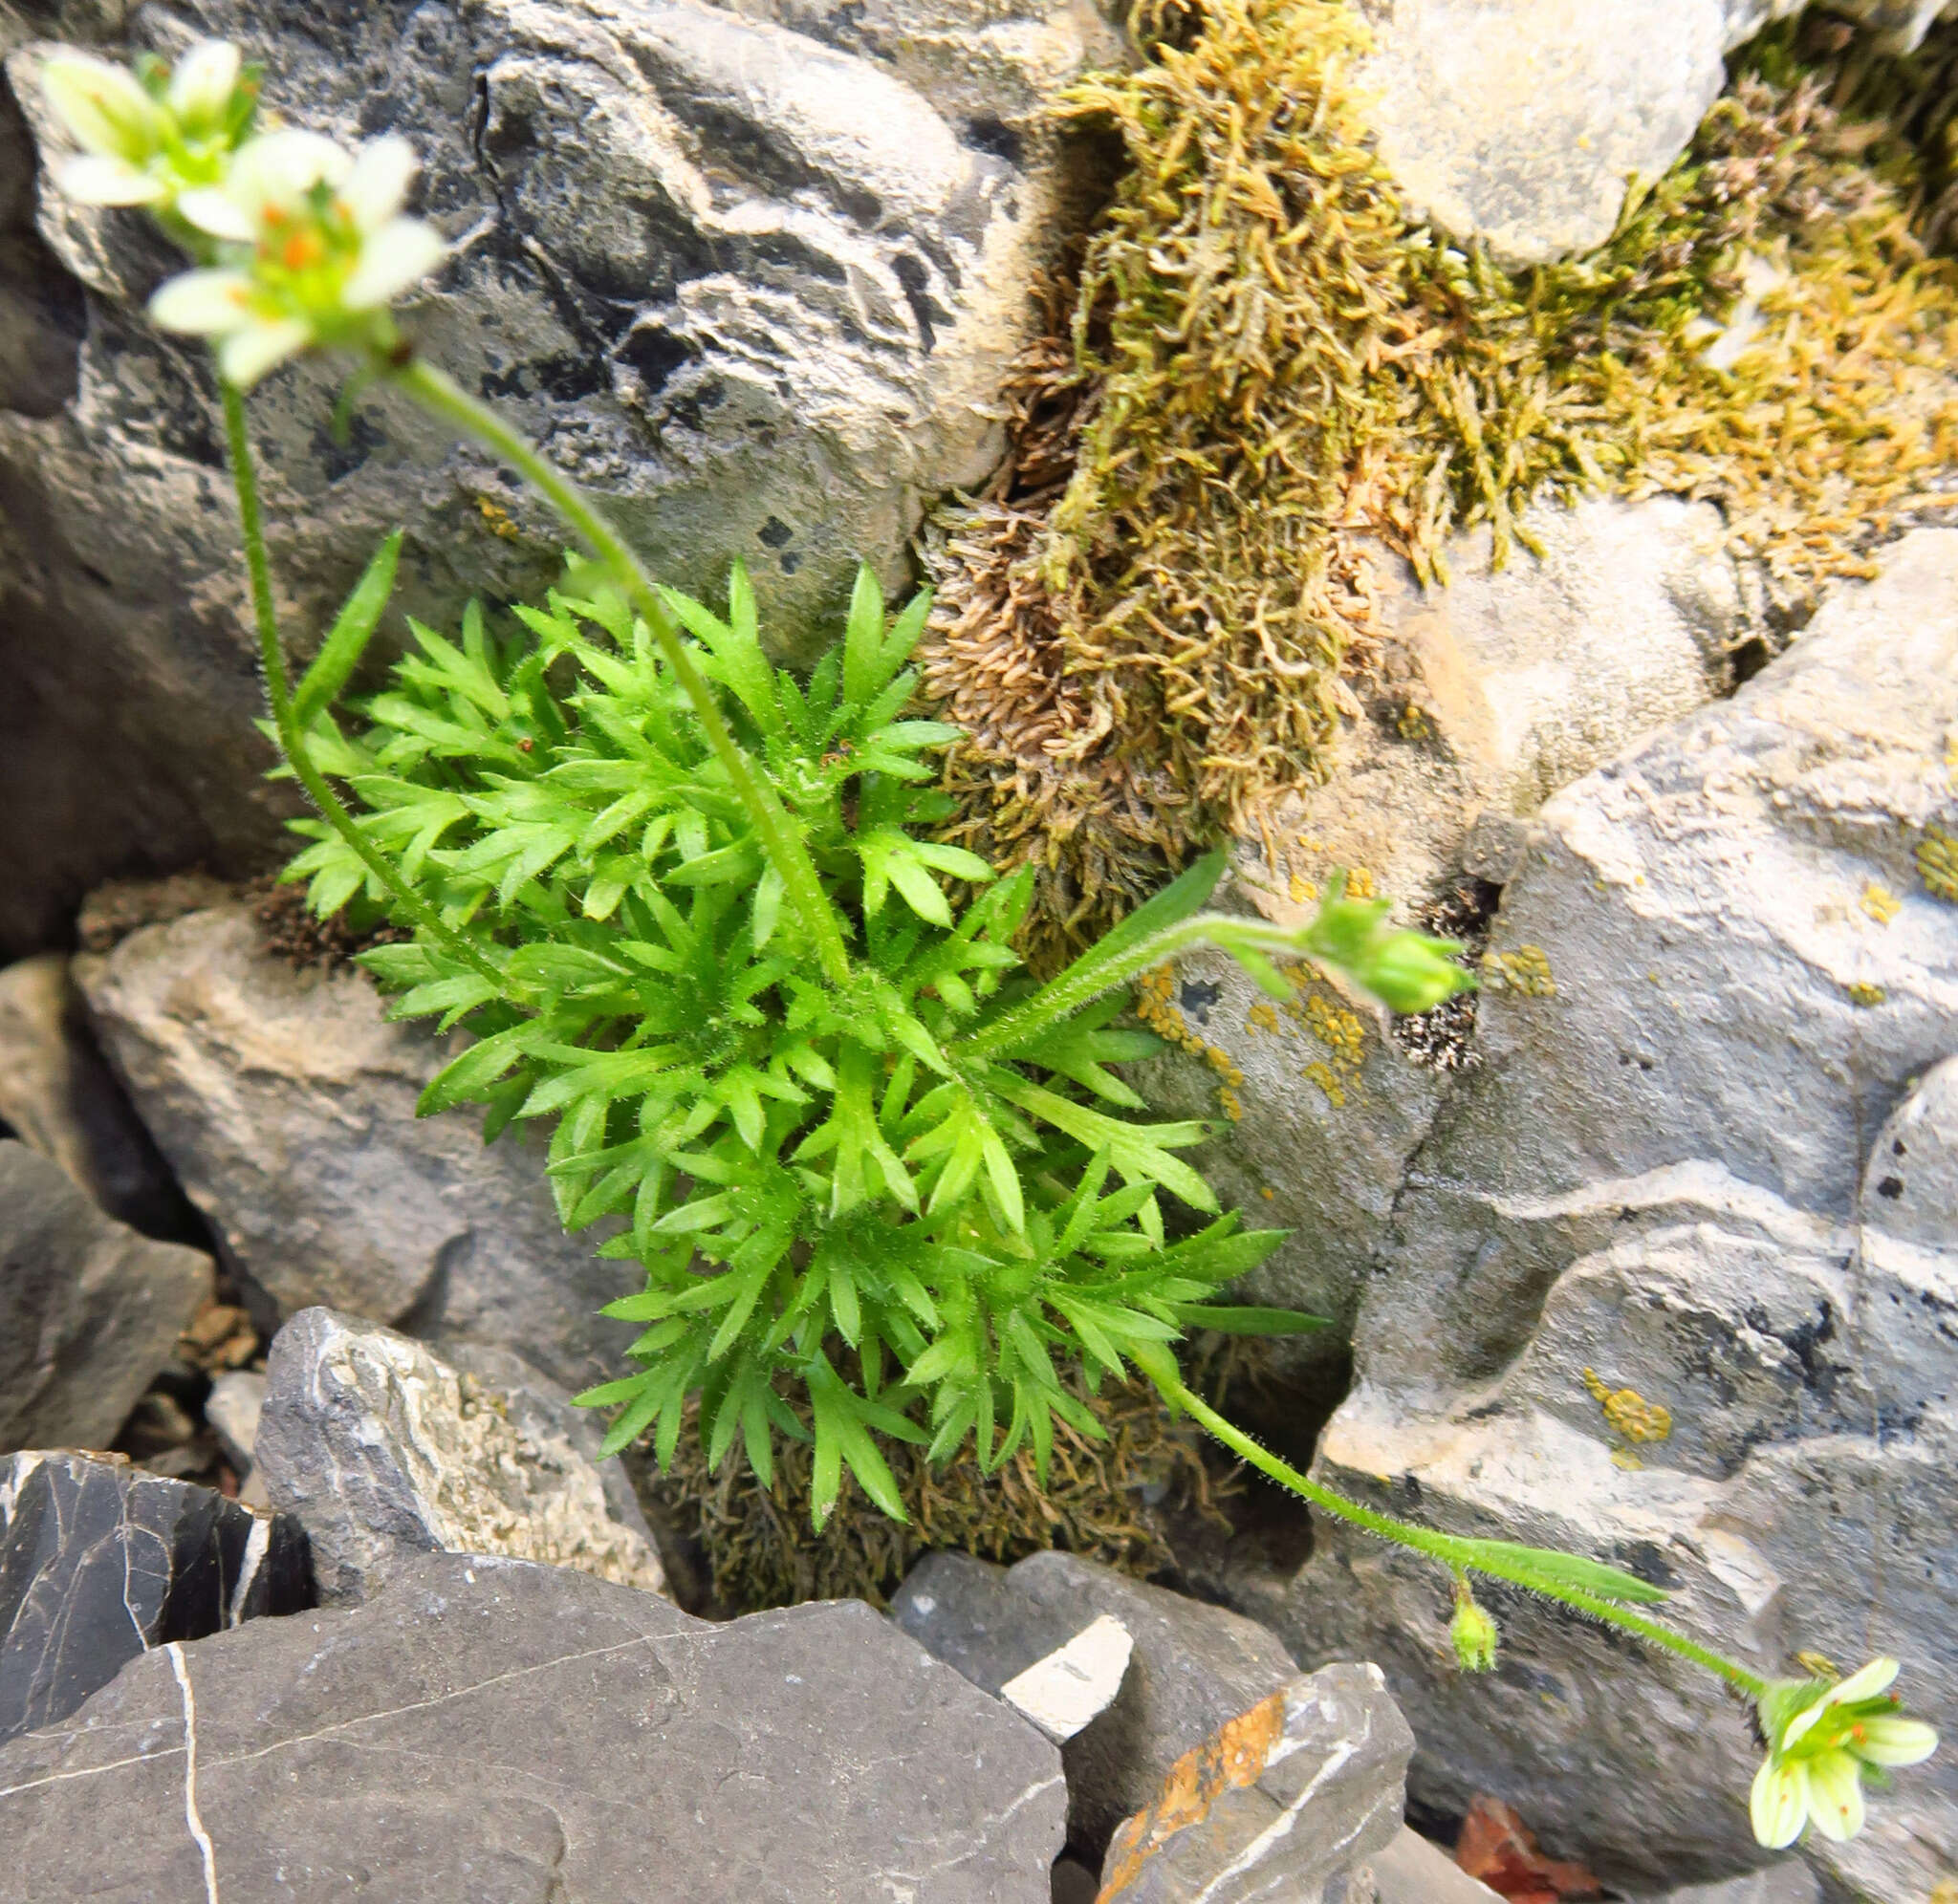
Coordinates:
(331, 250)
(141, 149)
(1820, 1739)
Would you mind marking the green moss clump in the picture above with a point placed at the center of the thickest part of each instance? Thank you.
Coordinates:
(1268, 377)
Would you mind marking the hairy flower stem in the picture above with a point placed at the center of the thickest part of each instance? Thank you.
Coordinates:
(279, 697)
(440, 396)
(1462, 1556)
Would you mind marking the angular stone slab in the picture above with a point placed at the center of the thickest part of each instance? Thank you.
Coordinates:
(1192, 1667)
(1302, 1785)
(495, 1732)
(100, 1561)
(89, 1309)
(383, 1452)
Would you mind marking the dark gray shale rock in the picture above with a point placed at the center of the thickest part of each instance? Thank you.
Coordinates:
(1193, 1668)
(495, 1732)
(755, 279)
(100, 1561)
(285, 1102)
(89, 1309)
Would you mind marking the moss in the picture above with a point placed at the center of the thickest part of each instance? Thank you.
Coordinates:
(1101, 1499)
(1264, 376)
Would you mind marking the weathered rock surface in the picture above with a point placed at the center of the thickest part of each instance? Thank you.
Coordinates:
(1788, 1882)
(753, 273)
(384, 1452)
(493, 1732)
(1519, 121)
(100, 1561)
(1191, 1669)
(285, 1103)
(1411, 1870)
(59, 1098)
(233, 1408)
(89, 1309)
(1492, 693)
(1304, 1785)
(1679, 1183)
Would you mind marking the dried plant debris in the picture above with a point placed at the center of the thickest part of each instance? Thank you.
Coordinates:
(1150, 622)
(290, 930)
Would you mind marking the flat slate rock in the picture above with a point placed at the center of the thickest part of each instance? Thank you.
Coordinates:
(1192, 1667)
(492, 1731)
(100, 1561)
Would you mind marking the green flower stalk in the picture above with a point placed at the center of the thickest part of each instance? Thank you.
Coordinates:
(685, 902)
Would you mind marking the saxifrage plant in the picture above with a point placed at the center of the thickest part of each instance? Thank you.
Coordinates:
(676, 894)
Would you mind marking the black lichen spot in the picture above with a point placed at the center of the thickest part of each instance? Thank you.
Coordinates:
(1197, 997)
(1646, 1560)
(775, 534)
(341, 459)
(655, 354)
(912, 275)
(791, 561)
(1891, 1187)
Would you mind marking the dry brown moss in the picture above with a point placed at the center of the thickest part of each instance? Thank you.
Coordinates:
(1268, 380)
(1104, 1500)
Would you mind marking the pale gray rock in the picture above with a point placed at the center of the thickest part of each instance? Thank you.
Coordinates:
(383, 1453)
(1284, 1797)
(1191, 1668)
(1076, 1684)
(1496, 690)
(1668, 1182)
(59, 1098)
(495, 1732)
(89, 1309)
(1411, 1870)
(233, 1408)
(754, 275)
(100, 1561)
(285, 1102)
(1518, 122)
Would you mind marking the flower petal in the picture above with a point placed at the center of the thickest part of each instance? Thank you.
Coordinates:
(402, 251)
(1888, 1739)
(1778, 1803)
(203, 80)
(218, 213)
(378, 186)
(246, 355)
(1865, 1682)
(103, 105)
(204, 303)
(97, 179)
(275, 171)
(1836, 1795)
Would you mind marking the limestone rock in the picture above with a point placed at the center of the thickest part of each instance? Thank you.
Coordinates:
(1077, 1683)
(1305, 1783)
(233, 1408)
(1519, 121)
(493, 1732)
(1192, 1668)
(100, 1561)
(1411, 1870)
(754, 274)
(89, 1311)
(285, 1103)
(1494, 692)
(59, 1098)
(1661, 1287)
(1788, 1882)
(383, 1453)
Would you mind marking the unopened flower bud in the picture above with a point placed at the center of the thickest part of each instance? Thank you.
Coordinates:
(1409, 971)
(1472, 1631)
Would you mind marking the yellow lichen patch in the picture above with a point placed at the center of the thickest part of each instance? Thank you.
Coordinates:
(1628, 1412)
(497, 517)
(1154, 997)
(1360, 884)
(1523, 969)
(1881, 903)
(1323, 1074)
(1337, 1027)
(1864, 994)
(1262, 1017)
(1937, 863)
(1231, 1758)
(1303, 892)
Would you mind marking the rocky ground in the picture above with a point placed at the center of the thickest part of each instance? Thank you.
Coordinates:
(312, 1582)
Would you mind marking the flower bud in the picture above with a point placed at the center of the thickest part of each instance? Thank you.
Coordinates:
(1472, 1631)
(1409, 971)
